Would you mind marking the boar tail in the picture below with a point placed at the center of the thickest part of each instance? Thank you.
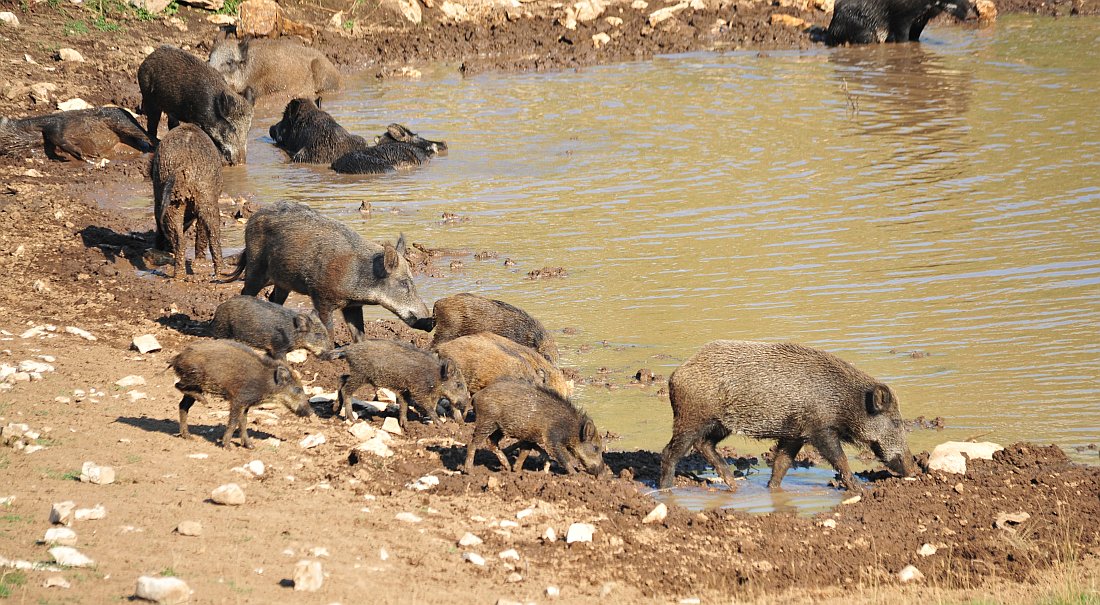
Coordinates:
(242, 262)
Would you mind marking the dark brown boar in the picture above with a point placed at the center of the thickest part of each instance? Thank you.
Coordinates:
(467, 313)
(186, 171)
(782, 391)
(231, 370)
(277, 65)
(84, 134)
(485, 358)
(415, 375)
(538, 418)
(312, 136)
(268, 326)
(397, 149)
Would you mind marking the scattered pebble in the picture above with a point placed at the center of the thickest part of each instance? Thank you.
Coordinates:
(146, 343)
(949, 457)
(311, 441)
(297, 356)
(508, 524)
(166, 591)
(56, 582)
(1008, 520)
(852, 500)
(132, 380)
(473, 557)
(199, 456)
(553, 592)
(657, 515)
(308, 575)
(469, 539)
(424, 483)
(513, 578)
(391, 425)
(98, 475)
(408, 518)
(909, 574)
(189, 528)
(136, 396)
(70, 54)
(86, 335)
(927, 550)
(550, 535)
(70, 557)
(362, 430)
(580, 532)
(375, 445)
(256, 467)
(90, 514)
(61, 536)
(509, 555)
(828, 523)
(229, 494)
(62, 512)
(8, 18)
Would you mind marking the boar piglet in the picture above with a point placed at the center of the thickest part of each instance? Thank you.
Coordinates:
(415, 375)
(397, 149)
(536, 418)
(268, 326)
(310, 135)
(783, 391)
(485, 358)
(231, 370)
(464, 314)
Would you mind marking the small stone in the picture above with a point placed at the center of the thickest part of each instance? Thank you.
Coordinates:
(318, 551)
(311, 441)
(308, 575)
(656, 515)
(639, 5)
(375, 446)
(198, 456)
(690, 601)
(948, 457)
(32, 367)
(614, 21)
(851, 500)
(8, 18)
(828, 523)
(473, 557)
(926, 550)
(70, 557)
(386, 395)
(56, 582)
(909, 574)
(362, 430)
(523, 514)
(61, 536)
(1007, 520)
(99, 475)
(550, 535)
(513, 578)
(665, 13)
(580, 532)
(136, 396)
(229, 494)
(407, 518)
(62, 512)
(166, 591)
(73, 105)
(508, 524)
(145, 344)
(297, 356)
(553, 592)
(509, 555)
(390, 425)
(69, 54)
(383, 554)
(222, 19)
(189, 528)
(130, 381)
(469, 539)
(90, 514)
(787, 20)
(256, 467)
(600, 39)
(958, 488)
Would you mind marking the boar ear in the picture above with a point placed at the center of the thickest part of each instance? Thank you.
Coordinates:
(878, 399)
(283, 376)
(301, 323)
(317, 102)
(390, 260)
(588, 430)
(401, 244)
(446, 369)
(249, 95)
(397, 131)
(542, 375)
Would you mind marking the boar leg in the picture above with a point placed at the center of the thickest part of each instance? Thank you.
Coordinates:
(152, 116)
(525, 450)
(785, 453)
(209, 229)
(564, 459)
(349, 383)
(678, 447)
(278, 295)
(827, 443)
(189, 398)
(173, 234)
(482, 431)
(233, 423)
(707, 446)
(242, 423)
(353, 317)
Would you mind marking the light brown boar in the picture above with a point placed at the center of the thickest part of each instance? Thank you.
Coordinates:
(277, 65)
(467, 313)
(485, 358)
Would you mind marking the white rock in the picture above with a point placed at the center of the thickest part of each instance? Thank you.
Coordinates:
(666, 13)
(311, 441)
(851, 500)
(386, 395)
(256, 467)
(523, 514)
(407, 518)
(99, 475)
(72, 105)
(361, 430)
(390, 425)
(31, 366)
(423, 483)
(383, 554)
(30, 449)
(308, 575)
(513, 578)
(14, 430)
(926, 550)
(8, 18)
(132, 380)
(229, 494)
(508, 524)
(56, 582)
(90, 514)
(469, 539)
(454, 11)
(639, 5)
(222, 19)
(553, 592)
(509, 555)
(189, 528)
(473, 557)
(656, 515)
(691, 601)
(44, 328)
(1007, 520)
(70, 557)
(375, 446)
(166, 591)
(62, 536)
(198, 456)
(550, 535)
(580, 532)
(948, 457)
(828, 523)
(136, 396)
(318, 551)
(588, 10)
(70, 54)
(600, 39)
(62, 512)
(7, 500)
(910, 573)
(614, 21)
(145, 344)
(297, 356)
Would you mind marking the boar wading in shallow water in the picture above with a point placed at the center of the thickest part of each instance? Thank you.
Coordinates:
(536, 418)
(181, 85)
(268, 326)
(416, 376)
(871, 21)
(310, 135)
(186, 171)
(295, 248)
(83, 133)
(782, 391)
(278, 65)
(396, 149)
(464, 314)
(231, 370)
(485, 358)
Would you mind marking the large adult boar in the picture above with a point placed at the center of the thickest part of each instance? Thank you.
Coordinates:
(782, 391)
(83, 133)
(537, 418)
(464, 314)
(312, 136)
(871, 21)
(233, 372)
(186, 171)
(181, 85)
(274, 65)
(485, 358)
(268, 326)
(298, 250)
(416, 376)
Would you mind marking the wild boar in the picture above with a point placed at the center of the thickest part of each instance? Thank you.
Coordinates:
(231, 370)
(417, 376)
(295, 248)
(467, 313)
(186, 171)
(177, 83)
(537, 418)
(310, 135)
(871, 21)
(268, 326)
(84, 134)
(782, 391)
(397, 149)
(274, 65)
(485, 358)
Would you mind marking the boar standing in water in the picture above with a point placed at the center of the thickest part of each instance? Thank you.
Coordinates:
(186, 171)
(782, 391)
(231, 370)
(871, 21)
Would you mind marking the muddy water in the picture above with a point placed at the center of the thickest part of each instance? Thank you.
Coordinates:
(929, 212)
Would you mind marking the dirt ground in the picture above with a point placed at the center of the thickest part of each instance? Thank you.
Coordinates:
(66, 263)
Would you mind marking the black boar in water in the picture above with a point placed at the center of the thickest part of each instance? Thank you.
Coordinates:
(398, 148)
(298, 250)
(186, 171)
(83, 133)
(464, 314)
(278, 65)
(536, 418)
(782, 391)
(416, 376)
(871, 21)
(312, 136)
(230, 370)
(485, 358)
(268, 326)
(181, 85)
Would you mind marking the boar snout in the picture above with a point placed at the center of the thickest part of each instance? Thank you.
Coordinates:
(425, 324)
